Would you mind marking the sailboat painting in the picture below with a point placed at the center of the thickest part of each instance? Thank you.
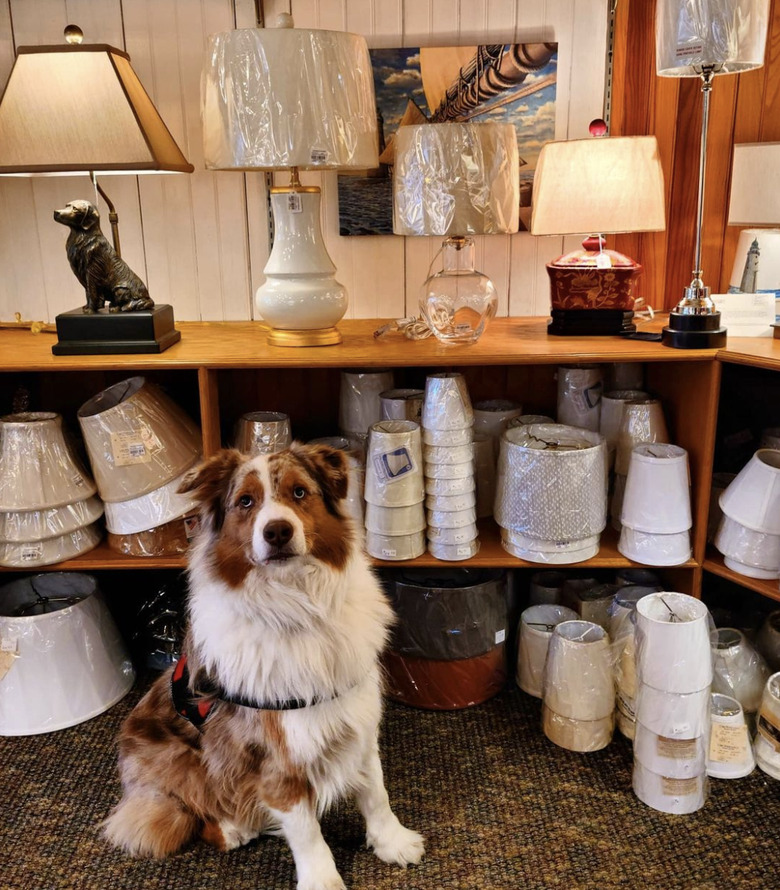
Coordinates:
(508, 83)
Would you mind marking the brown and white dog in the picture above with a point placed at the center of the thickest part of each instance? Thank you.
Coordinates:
(286, 623)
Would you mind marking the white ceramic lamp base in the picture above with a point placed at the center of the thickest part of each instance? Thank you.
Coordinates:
(300, 301)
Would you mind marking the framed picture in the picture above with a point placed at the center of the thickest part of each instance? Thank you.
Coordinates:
(508, 83)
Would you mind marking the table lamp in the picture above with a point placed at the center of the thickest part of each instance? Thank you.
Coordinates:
(703, 38)
(456, 180)
(595, 187)
(80, 108)
(292, 99)
(755, 202)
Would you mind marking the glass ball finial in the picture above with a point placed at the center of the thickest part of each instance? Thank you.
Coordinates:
(73, 35)
(598, 127)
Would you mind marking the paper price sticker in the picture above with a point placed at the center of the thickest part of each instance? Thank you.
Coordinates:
(388, 554)
(7, 660)
(679, 787)
(769, 727)
(294, 204)
(31, 552)
(728, 743)
(319, 156)
(676, 749)
(129, 448)
(9, 641)
(500, 636)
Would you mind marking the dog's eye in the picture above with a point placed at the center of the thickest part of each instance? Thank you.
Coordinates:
(299, 492)
(245, 501)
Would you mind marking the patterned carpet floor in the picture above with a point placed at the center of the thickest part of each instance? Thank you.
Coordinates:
(500, 807)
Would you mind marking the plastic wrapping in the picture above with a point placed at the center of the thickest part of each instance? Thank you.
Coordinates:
(672, 758)
(448, 454)
(137, 439)
(277, 98)
(401, 404)
(52, 550)
(753, 498)
(729, 35)
(527, 420)
(66, 660)
(451, 519)
(263, 432)
(578, 687)
(445, 685)
(655, 550)
(738, 670)
(768, 735)
(462, 436)
(612, 404)
(456, 179)
(395, 520)
(450, 487)
(590, 599)
(38, 525)
(451, 536)
(447, 405)
(465, 501)
(449, 471)
(673, 643)
(673, 714)
(642, 421)
(579, 396)
(492, 415)
(669, 795)
(768, 640)
(747, 550)
(360, 403)
(453, 552)
(549, 552)
(150, 510)
(537, 624)
(450, 614)
(552, 482)
(394, 476)
(395, 547)
(38, 468)
(730, 752)
(170, 539)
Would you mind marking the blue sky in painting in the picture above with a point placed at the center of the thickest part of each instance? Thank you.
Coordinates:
(397, 79)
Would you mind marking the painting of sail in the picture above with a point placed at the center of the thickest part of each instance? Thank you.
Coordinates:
(508, 83)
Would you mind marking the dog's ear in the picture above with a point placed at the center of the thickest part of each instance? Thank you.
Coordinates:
(209, 482)
(330, 467)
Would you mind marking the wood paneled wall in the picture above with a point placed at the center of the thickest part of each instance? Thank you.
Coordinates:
(201, 241)
(744, 108)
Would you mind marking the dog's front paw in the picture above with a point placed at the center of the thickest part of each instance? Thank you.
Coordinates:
(397, 845)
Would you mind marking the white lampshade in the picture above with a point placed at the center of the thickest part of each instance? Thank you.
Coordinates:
(593, 185)
(456, 179)
(728, 35)
(275, 98)
(757, 261)
(753, 498)
(755, 185)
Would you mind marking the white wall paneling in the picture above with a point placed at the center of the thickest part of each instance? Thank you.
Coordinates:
(201, 241)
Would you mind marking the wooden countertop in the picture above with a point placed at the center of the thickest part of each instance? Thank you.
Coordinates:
(243, 345)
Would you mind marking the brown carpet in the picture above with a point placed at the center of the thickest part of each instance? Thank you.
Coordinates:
(499, 805)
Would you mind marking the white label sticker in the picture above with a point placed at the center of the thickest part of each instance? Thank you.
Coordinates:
(9, 641)
(294, 204)
(130, 448)
(319, 156)
(683, 52)
(388, 554)
(31, 552)
(500, 636)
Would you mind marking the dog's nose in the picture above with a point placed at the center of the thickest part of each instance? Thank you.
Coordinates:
(278, 532)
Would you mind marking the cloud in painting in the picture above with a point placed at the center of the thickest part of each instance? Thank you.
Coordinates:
(405, 80)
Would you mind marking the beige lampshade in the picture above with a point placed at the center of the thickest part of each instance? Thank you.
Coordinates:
(275, 98)
(456, 179)
(755, 185)
(81, 107)
(599, 185)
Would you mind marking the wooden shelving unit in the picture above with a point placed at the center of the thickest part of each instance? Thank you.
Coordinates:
(220, 370)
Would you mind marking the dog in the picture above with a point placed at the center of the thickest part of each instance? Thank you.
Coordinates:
(105, 277)
(279, 679)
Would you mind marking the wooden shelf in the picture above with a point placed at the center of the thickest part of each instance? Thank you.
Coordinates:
(758, 352)
(214, 345)
(102, 557)
(714, 563)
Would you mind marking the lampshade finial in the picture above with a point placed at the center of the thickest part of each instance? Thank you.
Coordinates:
(598, 127)
(73, 35)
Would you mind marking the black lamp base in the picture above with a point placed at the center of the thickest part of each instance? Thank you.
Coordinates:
(115, 333)
(694, 331)
(591, 322)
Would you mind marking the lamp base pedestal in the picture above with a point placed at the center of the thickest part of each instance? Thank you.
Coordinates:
(319, 337)
(591, 322)
(115, 333)
(694, 331)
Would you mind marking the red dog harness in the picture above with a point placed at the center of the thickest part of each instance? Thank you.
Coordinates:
(197, 705)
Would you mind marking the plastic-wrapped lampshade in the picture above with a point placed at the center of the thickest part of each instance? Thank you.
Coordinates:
(275, 98)
(456, 179)
(729, 35)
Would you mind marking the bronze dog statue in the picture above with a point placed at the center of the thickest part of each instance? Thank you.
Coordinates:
(106, 277)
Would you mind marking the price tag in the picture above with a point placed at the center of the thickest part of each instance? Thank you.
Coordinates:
(319, 156)
(31, 552)
(676, 749)
(130, 448)
(294, 204)
(679, 787)
(500, 636)
(728, 743)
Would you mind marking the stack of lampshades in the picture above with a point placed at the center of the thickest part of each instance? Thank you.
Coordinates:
(491, 417)
(551, 492)
(48, 508)
(141, 445)
(674, 670)
(448, 648)
(394, 491)
(360, 405)
(749, 532)
(448, 452)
